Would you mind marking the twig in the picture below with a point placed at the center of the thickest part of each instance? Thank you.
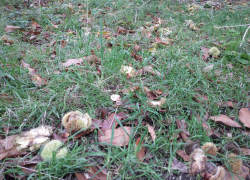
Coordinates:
(39, 172)
(244, 35)
(139, 8)
(231, 26)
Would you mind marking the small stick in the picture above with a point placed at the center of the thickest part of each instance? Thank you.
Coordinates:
(244, 35)
(231, 26)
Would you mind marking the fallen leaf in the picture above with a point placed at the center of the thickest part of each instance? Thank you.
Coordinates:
(120, 137)
(70, 62)
(9, 28)
(208, 68)
(208, 131)
(244, 116)
(225, 120)
(230, 66)
(183, 155)
(37, 79)
(151, 95)
(201, 98)
(8, 148)
(159, 91)
(177, 165)
(245, 151)
(90, 172)
(142, 153)
(227, 104)
(164, 42)
(184, 133)
(132, 89)
(137, 48)
(205, 54)
(108, 123)
(151, 70)
(81, 176)
(151, 132)
(32, 38)
(63, 43)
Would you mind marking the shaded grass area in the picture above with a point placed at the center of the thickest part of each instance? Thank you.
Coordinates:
(80, 88)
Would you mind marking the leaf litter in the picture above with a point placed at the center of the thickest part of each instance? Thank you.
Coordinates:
(120, 135)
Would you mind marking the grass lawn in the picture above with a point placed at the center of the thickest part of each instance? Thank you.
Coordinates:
(169, 102)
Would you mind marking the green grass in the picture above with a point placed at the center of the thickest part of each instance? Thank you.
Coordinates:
(82, 89)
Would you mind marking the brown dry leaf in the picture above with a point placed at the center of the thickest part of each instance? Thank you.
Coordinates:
(9, 28)
(142, 153)
(242, 175)
(245, 151)
(183, 155)
(70, 62)
(184, 133)
(159, 41)
(128, 90)
(80, 176)
(177, 165)
(225, 120)
(230, 66)
(36, 78)
(108, 123)
(208, 68)
(159, 92)
(102, 175)
(35, 25)
(244, 116)
(201, 98)
(151, 132)
(151, 95)
(63, 43)
(8, 149)
(137, 48)
(227, 104)
(208, 131)
(205, 54)
(120, 137)
(151, 70)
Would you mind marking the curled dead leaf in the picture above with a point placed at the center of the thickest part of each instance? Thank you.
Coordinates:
(183, 155)
(151, 132)
(36, 78)
(225, 120)
(141, 153)
(9, 28)
(244, 116)
(120, 137)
